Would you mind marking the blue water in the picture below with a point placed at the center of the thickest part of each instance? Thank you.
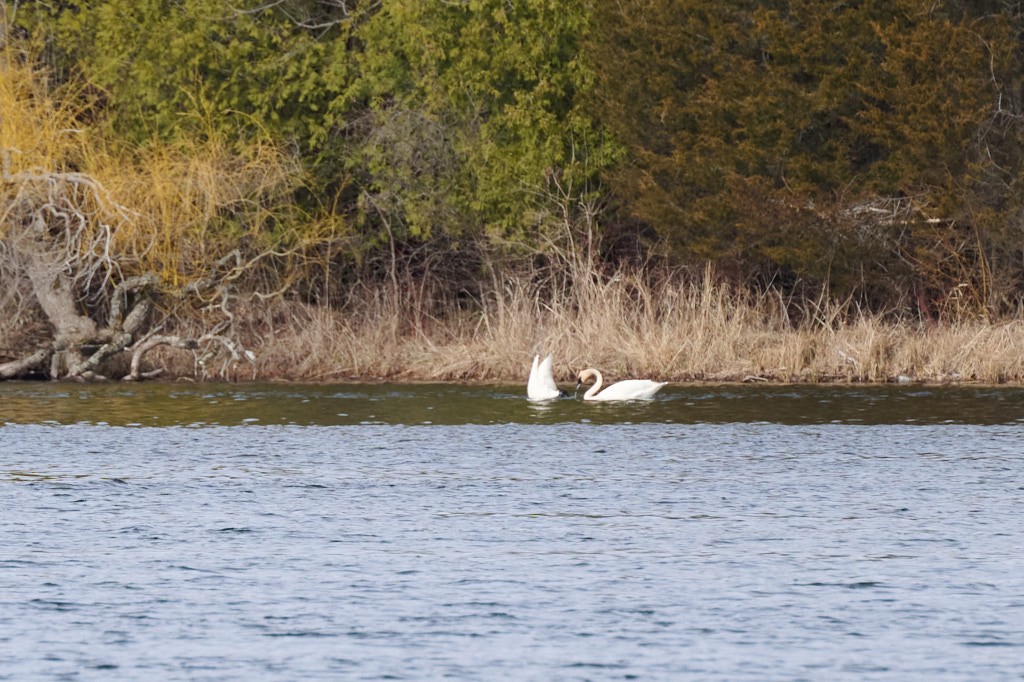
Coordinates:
(572, 542)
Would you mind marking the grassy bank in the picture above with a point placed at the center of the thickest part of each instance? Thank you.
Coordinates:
(627, 328)
(624, 326)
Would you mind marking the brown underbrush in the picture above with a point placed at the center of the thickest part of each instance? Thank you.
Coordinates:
(626, 326)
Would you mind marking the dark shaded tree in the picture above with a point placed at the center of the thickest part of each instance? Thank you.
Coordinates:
(842, 144)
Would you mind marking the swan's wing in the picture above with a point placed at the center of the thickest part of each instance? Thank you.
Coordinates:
(631, 389)
(531, 383)
(542, 380)
(546, 375)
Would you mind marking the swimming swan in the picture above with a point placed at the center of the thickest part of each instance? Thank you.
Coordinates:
(630, 389)
(541, 384)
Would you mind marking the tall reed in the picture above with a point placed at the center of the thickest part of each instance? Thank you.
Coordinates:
(629, 325)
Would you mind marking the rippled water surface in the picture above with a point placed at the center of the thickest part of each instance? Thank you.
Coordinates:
(426, 532)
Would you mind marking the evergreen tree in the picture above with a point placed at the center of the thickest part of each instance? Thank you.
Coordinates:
(847, 144)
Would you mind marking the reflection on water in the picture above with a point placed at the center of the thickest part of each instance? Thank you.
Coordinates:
(426, 532)
(164, 404)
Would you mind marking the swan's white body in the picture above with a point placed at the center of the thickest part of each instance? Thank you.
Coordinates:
(541, 384)
(630, 389)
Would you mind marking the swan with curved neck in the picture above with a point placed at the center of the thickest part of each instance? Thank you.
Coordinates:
(630, 389)
(541, 384)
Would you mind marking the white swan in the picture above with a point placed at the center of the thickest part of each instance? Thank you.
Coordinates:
(630, 389)
(541, 384)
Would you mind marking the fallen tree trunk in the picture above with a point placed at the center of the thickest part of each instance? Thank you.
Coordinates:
(56, 243)
(23, 367)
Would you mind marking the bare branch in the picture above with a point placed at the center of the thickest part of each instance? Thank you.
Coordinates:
(150, 343)
(19, 368)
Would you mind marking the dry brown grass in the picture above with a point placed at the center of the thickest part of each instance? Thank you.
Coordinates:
(628, 327)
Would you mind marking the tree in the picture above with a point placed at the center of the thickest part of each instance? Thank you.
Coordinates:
(484, 96)
(172, 70)
(807, 142)
(109, 254)
(416, 120)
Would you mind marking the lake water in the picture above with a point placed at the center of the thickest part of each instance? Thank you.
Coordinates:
(225, 532)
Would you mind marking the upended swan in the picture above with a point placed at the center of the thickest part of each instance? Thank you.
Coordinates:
(630, 389)
(541, 384)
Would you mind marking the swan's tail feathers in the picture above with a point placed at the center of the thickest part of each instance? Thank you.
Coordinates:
(653, 388)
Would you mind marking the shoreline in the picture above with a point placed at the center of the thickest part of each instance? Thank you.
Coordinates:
(419, 381)
(628, 328)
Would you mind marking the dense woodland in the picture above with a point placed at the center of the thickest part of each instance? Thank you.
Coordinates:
(184, 160)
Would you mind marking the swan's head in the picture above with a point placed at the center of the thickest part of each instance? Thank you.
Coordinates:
(586, 375)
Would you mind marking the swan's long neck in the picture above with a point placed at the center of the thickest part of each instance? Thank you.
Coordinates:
(593, 390)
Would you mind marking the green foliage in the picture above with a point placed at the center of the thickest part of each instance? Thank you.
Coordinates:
(179, 69)
(469, 109)
(416, 118)
(873, 147)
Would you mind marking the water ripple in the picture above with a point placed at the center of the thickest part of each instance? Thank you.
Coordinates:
(716, 551)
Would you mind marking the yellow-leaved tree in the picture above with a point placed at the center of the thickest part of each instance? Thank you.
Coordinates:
(109, 250)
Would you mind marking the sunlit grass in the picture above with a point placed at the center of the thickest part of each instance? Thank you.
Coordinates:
(193, 202)
(38, 127)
